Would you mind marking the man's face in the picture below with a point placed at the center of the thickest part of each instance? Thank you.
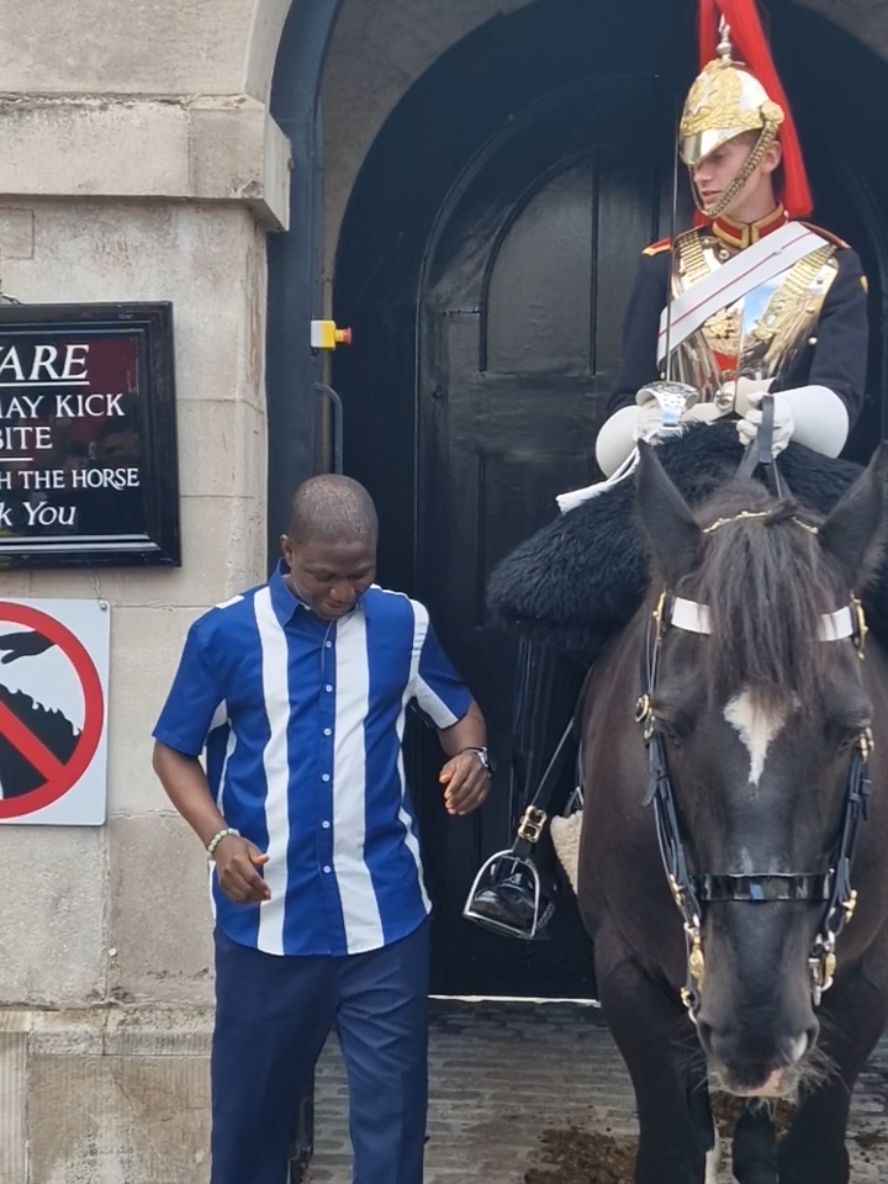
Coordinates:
(329, 577)
(715, 173)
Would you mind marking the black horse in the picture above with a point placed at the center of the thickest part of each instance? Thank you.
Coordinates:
(738, 696)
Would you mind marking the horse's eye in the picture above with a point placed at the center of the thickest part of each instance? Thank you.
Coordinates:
(673, 721)
(671, 734)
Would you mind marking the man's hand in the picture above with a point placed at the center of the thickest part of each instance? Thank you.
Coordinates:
(784, 423)
(742, 393)
(649, 424)
(236, 861)
(703, 413)
(466, 781)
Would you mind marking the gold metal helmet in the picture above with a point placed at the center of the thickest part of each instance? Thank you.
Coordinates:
(725, 101)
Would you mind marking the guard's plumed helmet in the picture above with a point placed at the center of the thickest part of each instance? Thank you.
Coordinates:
(730, 97)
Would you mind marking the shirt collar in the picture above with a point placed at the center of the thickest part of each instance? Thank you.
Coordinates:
(743, 234)
(287, 604)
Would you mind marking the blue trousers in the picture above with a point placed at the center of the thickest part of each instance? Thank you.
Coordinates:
(273, 1016)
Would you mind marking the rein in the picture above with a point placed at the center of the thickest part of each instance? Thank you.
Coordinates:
(692, 892)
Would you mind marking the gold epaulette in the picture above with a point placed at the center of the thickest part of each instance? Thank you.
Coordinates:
(829, 236)
(657, 248)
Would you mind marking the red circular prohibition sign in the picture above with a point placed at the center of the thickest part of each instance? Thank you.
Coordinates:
(61, 778)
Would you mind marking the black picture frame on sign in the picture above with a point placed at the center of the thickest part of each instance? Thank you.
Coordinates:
(89, 472)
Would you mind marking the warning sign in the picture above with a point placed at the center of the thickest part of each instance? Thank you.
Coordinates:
(53, 711)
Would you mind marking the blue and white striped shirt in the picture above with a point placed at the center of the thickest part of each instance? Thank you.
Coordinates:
(302, 721)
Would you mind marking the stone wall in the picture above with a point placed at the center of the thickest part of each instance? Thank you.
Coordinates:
(104, 1096)
(137, 887)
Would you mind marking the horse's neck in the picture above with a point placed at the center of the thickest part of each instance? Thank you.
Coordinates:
(615, 676)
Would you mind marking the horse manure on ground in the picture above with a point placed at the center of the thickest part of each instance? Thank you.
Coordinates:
(726, 1109)
(583, 1157)
(586, 1157)
(867, 1140)
(872, 1146)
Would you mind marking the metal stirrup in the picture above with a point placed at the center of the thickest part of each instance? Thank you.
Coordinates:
(530, 830)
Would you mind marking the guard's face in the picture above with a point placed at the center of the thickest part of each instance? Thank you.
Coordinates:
(716, 172)
(329, 577)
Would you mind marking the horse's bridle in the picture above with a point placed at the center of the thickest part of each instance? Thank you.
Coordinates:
(691, 892)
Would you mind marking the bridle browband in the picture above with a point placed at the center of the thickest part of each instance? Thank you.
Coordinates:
(691, 892)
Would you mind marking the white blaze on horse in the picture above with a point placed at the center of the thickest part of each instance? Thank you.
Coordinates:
(719, 900)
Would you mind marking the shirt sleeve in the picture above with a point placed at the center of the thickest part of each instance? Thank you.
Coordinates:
(438, 690)
(195, 695)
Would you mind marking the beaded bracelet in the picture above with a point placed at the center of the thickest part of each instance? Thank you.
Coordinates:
(217, 839)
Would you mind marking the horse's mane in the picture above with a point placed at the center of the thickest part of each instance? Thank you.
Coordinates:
(766, 582)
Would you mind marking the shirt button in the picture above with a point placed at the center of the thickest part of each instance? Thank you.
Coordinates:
(328, 688)
(325, 825)
(326, 777)
(328, 731)
(327, 870)
(329, 645)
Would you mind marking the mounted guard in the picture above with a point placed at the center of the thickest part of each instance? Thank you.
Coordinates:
(751, 302)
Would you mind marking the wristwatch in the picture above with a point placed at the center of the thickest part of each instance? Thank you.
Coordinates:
(483, 756)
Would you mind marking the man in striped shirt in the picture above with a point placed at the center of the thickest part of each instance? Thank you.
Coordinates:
(298, 692)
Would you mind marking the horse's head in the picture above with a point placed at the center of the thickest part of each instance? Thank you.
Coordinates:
(758, 706)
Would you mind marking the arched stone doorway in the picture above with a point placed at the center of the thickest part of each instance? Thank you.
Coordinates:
(483, 265)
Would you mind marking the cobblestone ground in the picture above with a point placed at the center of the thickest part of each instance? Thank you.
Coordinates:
(501, 1074)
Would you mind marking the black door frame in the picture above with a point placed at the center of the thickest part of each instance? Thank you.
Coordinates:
(294, 288)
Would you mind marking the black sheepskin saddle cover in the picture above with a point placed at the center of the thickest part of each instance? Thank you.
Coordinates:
(579, 580)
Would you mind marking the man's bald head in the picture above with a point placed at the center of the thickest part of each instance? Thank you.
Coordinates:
(332, 509)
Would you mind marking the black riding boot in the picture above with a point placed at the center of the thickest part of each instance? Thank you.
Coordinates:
(511, 895)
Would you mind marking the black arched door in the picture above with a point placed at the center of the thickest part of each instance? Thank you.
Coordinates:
(520, 313)
(484, 266)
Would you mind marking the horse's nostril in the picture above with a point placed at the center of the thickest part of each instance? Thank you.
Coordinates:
(795, 1047)
(798, 1050)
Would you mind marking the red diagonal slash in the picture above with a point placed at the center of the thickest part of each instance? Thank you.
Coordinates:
(32, 749)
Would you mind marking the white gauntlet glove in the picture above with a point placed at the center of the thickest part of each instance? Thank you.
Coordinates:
(703, 413)
(784, 422)
(649, 424)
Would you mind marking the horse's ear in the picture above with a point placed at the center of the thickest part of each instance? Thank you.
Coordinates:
(856, 532)
(674, 537)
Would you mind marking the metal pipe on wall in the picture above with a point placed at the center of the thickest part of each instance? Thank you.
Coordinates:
(294, 272)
